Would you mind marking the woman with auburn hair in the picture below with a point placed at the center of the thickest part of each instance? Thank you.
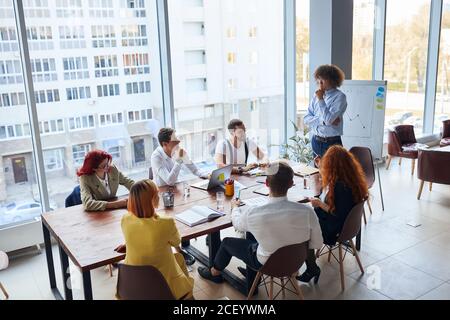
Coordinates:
(99, 181)
(343, 186)
(149, 239)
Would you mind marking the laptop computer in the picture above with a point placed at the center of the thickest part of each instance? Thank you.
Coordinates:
(217, 179)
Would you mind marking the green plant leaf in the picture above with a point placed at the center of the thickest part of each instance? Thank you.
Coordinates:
(295, 126)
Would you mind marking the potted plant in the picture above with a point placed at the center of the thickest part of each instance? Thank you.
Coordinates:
(298, 148)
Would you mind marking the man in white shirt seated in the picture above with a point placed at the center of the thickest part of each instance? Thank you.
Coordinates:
(235, 150)
(277, 224)
(168, 159)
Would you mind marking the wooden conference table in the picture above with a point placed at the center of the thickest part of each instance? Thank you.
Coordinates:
(89, 238)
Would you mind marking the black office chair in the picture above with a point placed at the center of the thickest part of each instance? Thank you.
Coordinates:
(74, 198)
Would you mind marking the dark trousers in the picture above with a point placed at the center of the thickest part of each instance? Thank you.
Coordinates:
(243, 249)
(311, 264)
(320, 147)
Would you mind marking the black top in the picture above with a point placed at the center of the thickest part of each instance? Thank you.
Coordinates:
(331, 223)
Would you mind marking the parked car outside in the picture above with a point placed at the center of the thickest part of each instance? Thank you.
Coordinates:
(399, 118)
(21, 211)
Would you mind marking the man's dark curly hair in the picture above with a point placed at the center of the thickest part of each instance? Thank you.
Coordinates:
(330, 72)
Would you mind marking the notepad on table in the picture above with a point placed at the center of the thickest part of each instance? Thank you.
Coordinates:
(198, 215)
(257, 201)
(262, 191)
(240, 186)
(303, 170)
(295, 194)
(256, 172)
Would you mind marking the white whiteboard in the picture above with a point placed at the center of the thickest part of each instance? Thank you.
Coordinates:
(364, 117)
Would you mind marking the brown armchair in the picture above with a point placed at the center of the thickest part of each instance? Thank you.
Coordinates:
(433, 166)
(445, 141)
(402, 143)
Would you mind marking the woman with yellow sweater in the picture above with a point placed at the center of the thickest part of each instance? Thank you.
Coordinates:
(149, 239)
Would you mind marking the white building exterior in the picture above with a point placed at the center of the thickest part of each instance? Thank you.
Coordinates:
(98, 81)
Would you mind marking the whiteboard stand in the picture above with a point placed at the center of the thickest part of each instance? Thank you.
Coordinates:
(379, 183)
(364, 118)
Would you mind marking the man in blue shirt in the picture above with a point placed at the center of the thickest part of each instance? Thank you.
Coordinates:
(326, 110)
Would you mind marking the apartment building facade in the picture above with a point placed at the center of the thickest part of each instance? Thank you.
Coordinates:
(97, 81)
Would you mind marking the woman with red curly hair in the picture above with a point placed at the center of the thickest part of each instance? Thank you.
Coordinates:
(99, 181)
(343, 186)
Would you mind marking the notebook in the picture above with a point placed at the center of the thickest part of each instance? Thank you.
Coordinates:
(264, 191)
(302, 170)
(295, 194)
(239, 186)
(257, 201)
(256, 172)
(198, 215)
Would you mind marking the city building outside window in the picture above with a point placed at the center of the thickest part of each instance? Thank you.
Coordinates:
(79, 152)
(106, 66)
(103, 36)
(78, 93)
(108, 90)
(53, 159)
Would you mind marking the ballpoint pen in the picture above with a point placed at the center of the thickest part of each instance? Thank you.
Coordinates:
(238, 194)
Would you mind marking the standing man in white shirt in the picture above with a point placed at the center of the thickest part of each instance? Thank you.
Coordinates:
(277, 224)
(168, 158)
(236, 149)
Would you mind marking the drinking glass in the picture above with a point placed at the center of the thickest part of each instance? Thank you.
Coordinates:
(220, 199)
(186, 189)
(306, 182)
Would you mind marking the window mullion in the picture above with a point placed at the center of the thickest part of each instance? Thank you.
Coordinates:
(31, 103)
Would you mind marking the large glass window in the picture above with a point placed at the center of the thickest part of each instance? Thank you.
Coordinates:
(406, 61)
(442, 109)
(96, 71)
(363, 27)
(302, 56)
(221, 58)
(19, 196)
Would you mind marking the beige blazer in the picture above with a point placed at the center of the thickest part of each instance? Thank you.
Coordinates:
(94, 194)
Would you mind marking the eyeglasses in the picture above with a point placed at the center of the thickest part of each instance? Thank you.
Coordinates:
(106, 166)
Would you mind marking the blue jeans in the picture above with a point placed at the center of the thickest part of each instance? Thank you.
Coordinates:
(320, 147)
